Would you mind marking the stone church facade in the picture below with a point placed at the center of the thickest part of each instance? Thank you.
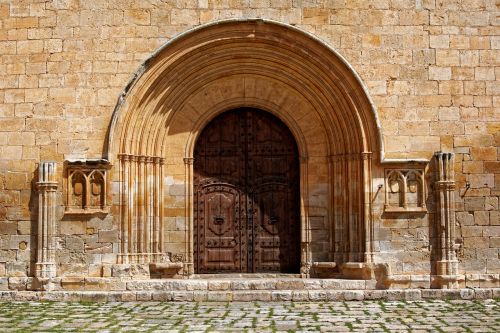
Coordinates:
(146, 140)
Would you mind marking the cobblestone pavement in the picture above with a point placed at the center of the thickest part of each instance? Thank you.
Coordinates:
(367, 316)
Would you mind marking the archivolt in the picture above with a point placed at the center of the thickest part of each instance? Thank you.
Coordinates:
(282, 59)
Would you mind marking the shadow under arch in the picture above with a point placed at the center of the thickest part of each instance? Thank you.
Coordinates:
(246, 63)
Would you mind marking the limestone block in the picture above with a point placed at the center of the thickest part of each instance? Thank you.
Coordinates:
(219, 296)
(315, 16)
(144, 296)
(281, 296)
(163, 296)
(183, 296)
(494, 217)
(375, 294)
(73, 227)
(4, 284)
(196, 285)
(74, 243)
(318, 295)
(128, 297)
(246, 296)
(108, 236)
(8, 228)
(218, 285)
(354, 295)
(483, 293)
(16, 269)
(136, 271)
(344, 284)
(290, 285)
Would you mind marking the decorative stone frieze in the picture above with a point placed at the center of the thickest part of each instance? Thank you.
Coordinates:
(45, 267)
(405, 190)
(86, 187)
(446, 263)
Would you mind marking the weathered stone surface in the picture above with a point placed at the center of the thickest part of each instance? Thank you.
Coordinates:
(130, 271)
(433, 88)
(219, 285)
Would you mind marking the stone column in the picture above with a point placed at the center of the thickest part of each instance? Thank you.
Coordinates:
(189, 202)
(46, 245)
(305, 223)
(446, 263)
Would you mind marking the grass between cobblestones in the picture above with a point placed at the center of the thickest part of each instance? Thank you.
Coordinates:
(366, 316)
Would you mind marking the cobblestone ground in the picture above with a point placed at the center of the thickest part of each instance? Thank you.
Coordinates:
(368, 316)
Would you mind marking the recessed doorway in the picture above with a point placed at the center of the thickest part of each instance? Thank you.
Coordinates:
(246, 195)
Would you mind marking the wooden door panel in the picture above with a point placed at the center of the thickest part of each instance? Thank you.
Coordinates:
(218, 227)
(246, 195)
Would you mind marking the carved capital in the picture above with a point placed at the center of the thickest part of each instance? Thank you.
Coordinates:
(446, 185)
(47, 186)
(124, 157)
(188, 160)
(366, 155)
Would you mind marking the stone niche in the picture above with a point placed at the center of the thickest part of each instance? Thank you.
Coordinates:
(86, 186)
(405, 190)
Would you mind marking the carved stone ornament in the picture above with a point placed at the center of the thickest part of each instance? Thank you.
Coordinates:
(86, 186)
(405, 190)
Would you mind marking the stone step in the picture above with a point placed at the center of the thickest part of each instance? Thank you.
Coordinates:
(219, 284)
(325, 295)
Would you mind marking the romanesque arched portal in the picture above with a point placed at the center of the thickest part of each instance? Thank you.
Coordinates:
(244, 64)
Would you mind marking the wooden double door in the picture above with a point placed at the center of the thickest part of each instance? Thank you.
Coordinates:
(246, 195)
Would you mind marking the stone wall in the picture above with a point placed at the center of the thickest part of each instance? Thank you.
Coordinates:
(430, 66)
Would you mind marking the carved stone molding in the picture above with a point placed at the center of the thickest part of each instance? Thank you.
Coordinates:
(86, 187)
(446, 263)
(405, 190)
(46, 245)
(141, 214)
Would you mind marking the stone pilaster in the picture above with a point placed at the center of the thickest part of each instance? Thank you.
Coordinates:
(446, 263)
(46, 244)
